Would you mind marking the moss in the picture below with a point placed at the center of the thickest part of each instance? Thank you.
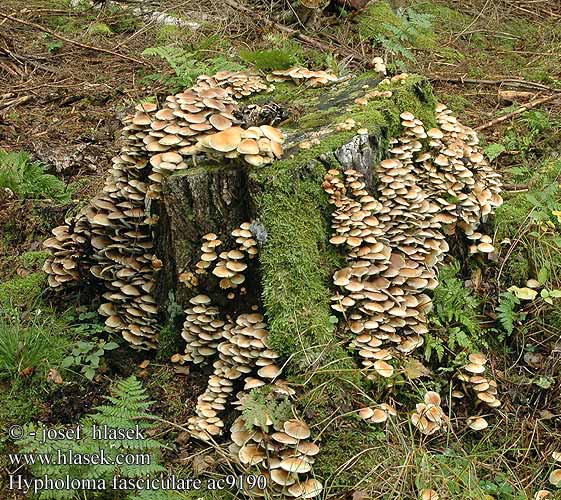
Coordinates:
(350, 456)
(20, 291)
(170, 342)
(297, 260)
(32, 259)
(510, 215)
(444, 17)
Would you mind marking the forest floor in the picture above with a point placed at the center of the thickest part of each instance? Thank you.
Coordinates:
(70, 73)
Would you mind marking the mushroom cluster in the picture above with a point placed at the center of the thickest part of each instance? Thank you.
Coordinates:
(69, 262)
(377, 414)
(299, 75)
(237, 83)
(110, 241)
(435, 182)
(380, 289)
(282, 452)
(229, 265)
(472, 377)
(242, 351)
(256, 145)
(429, 416)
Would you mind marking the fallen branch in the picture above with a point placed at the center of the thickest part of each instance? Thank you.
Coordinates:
(73, 42)
(505, 82)
(520, 110)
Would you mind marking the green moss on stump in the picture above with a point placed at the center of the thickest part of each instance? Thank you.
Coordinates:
(297, 260)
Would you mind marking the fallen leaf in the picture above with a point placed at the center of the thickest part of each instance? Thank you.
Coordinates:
(54, 376)
(415, 369)
(27, 372)
(182, 370)
(523, 293)
(144, 364)
(557, 214)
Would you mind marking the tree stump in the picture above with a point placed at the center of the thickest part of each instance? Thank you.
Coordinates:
(291, 277)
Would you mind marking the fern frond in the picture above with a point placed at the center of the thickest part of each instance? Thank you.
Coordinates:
(506, 311)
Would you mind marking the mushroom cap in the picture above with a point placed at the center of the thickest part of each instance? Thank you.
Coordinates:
(282, 477)
(308, 448)
(251, 454)
(542, 495)
(308, 489)
(296, 429)
(382, 368)
(272, 133)
(478, 423)
(555, 477)
(283, 438)
(477, 358)
(378, 416)
(366, 413)
(473, 368)
(226, 140)
(248, 147)
(295, 465)
(429, 494)
(432, 398)
(269, 371)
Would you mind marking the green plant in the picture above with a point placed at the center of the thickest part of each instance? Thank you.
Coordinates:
(259, 407)
(87, 354)
(126, 411)
(27, 179)
(21, 347)
(506, 311)
(186, 65)
(397, 32)
(454, 315)
(493, 151)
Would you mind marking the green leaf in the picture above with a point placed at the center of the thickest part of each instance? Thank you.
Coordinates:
(89, 373)
(67, 362)
(110, 346)
(493, 151)
(543, 275)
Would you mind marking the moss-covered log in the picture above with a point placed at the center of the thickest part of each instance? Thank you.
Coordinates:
(292, 279)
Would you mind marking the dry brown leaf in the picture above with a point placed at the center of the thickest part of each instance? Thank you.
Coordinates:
(54, 376)
(27, 372)
(415, 369)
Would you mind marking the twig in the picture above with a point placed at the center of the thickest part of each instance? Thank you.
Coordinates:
(294, 32)
(521, 109)
(73, 42)
(506, 82)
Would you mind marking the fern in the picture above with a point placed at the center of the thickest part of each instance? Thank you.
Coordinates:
(259, 406)
(397, 32)
(186, 65)
(126, 409)
(506, 311)
(454, 315)
(27, 179)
